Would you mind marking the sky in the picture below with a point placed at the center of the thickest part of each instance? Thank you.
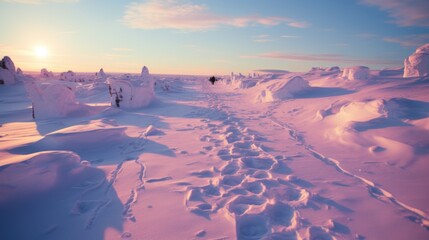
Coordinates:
(210, 36)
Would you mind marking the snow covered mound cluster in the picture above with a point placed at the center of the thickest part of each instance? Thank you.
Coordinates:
(44, 73)
(240, 81)
(54, 100)
(417, 65)
(132, 92)
(100, 76)
(68, 76)
(282, 89)
(356, 73)
(7, 71)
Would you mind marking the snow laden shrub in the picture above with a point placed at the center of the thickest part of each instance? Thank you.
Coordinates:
(132, 92)
(44, 73)
(54, 100)
(417, 64)
(7, 71)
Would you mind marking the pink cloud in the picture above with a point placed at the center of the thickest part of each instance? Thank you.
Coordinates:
(404, 12)
(335, 58)
(171, 14)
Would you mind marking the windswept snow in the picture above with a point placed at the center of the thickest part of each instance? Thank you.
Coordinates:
(273, 155)
(282, 89)
(417, 64)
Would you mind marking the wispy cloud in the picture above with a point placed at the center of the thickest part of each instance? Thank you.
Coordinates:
(334, 58)
(289, 36)
(172, 14)
(40, 1)
(262, 38)
(415, 40)
(404, 12)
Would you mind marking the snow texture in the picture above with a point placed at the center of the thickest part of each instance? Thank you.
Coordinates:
(417, 64)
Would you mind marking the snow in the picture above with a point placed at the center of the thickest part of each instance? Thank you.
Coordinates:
(417, 64)
(282, 89)
(132, 92)
(53, 100)
(68, 76)
(315, 157)
(7, 71)
(356, 73)
(44, 73)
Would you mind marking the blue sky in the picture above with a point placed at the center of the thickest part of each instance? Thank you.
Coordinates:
(211, 36)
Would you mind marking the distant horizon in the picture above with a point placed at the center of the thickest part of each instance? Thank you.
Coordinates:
(214, 37)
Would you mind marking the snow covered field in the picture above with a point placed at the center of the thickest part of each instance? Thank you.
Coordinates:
(316, 155)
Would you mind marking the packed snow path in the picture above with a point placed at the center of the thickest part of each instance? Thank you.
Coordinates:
(202, 162)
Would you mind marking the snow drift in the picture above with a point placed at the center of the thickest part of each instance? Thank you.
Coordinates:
(54, 100)
(356, 73)
(417, 64)
(282, 89)
(131, 93)
(7, 71)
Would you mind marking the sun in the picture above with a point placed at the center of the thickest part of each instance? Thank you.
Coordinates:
(41, 51)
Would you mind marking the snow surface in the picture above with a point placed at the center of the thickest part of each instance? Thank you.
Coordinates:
(417, 64)
(328, 159)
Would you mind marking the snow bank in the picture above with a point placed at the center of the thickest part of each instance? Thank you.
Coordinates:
(54, 100)
(44, 73)
(417, 64)
(356, 73)
(7, 71)
(128, 92)
(282, 89)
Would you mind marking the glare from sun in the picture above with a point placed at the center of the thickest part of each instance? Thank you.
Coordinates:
(41, 51)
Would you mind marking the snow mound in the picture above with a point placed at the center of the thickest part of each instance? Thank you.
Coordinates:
(145, 72)
(356, 73)
(282, 89)
(44, 73)
(239, 81)
(68, 76)
(7, 71)
(54, 100)
(417, 64)
(131, 93)
(19, 72)
(43, 172)
(100, 76)
(391, 72)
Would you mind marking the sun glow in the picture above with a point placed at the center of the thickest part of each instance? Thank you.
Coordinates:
(41, 51)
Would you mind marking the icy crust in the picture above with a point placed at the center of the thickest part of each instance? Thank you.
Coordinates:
(54, 100)
(417, 64)
(7, 71)
(132, 92)
(282, 89)
(356, 73)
